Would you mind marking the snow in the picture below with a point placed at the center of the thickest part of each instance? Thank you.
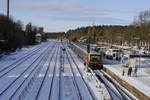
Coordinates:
(22, 72)
(29, 74)
(7, 60)
(141, 81)
(31, 78)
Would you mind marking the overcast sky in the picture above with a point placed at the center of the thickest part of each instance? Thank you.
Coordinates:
(62, 15)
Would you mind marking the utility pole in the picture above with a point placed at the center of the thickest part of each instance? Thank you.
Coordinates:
(8, 8)
(94, 34)
(89, 39)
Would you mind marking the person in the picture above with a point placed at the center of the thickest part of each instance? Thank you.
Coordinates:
(123, 72)
(135, 71)
(129, 71)
(64, 49)
(84, 65)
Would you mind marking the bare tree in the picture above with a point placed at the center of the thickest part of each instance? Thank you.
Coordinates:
(142, 18)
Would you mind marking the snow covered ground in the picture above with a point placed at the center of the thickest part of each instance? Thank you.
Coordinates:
(45, 72)
(141, 81)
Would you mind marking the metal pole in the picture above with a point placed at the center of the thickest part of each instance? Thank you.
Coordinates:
(8, 8)
(139, 54)
(89, 39)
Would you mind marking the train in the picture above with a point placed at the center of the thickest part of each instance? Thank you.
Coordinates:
(92, 60)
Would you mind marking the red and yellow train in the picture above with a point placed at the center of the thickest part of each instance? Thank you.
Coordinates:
(93, 60)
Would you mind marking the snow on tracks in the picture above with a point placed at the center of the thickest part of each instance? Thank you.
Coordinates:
(9, 84)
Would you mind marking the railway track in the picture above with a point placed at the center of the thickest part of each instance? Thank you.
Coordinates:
(123, 93)
(115, 91)
(46, 75)
(74, 78)
(82, 77)
(15, 64)
(22, 74)
(33, 74)
(61, 69)
(20, 58)
(54, 75)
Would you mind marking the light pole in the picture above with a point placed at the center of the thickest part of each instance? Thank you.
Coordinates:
(138, 39)
(8, 8)
(89, 39)
(148, 45)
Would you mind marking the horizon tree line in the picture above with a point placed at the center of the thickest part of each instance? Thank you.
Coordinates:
(13, 35)
(137, 32)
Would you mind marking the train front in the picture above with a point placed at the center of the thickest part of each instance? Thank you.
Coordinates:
(95, 61)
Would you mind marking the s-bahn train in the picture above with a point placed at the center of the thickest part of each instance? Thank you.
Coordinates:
(92, 60)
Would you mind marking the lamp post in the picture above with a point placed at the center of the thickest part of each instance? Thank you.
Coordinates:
(138, 39)
(89, 39)
(8, 8)
(148, 44)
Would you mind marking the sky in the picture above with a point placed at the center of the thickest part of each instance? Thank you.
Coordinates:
(62, 15)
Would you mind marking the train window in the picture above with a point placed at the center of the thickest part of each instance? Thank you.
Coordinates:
(95, 58)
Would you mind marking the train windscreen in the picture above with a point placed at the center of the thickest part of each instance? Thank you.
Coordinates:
(95, 58)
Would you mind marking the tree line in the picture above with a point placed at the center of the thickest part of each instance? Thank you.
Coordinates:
(136, 33)
(13, 35)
